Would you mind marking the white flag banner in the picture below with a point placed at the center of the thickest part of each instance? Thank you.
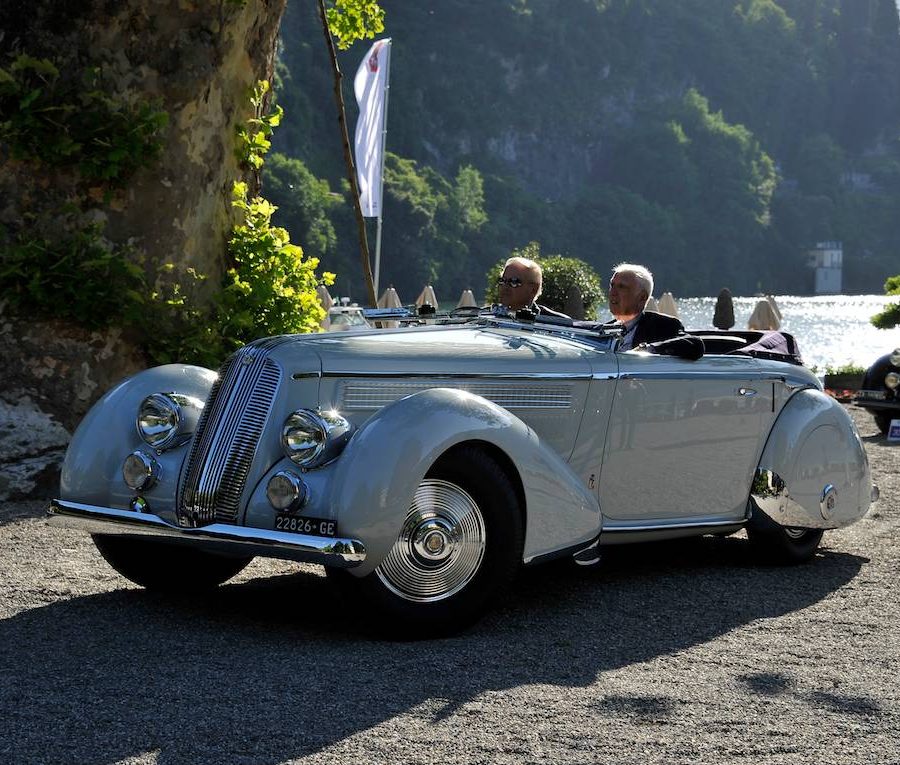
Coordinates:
(370, 85)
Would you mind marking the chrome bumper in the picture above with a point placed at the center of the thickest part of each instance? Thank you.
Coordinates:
(235, 540)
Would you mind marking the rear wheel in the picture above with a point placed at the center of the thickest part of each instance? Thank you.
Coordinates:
(785, 545)
(460, 545)
(167, 567)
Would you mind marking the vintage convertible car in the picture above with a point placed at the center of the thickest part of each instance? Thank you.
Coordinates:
(880, 391)
(423, 466)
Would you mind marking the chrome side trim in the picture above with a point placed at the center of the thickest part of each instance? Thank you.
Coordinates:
(329, 551)
(466, 376)
(610, 526)
(705, 374)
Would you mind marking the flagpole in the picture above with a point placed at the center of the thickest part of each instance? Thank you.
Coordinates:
(387, 93)
(348, 158)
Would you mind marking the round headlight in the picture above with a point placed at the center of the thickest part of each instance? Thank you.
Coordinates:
(895, 357)
(892, 380)
(167, 419)
(139, 471)
(286, 491)
(158, 419)
(303, 437)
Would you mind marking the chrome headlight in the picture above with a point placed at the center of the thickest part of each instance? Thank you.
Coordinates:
(165, 420)
(892, 380)
(895, 357)
(313, 438)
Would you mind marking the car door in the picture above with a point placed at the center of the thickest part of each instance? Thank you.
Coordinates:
(684, 438)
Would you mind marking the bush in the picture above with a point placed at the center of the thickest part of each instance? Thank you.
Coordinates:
(890, 316)
(80, 278)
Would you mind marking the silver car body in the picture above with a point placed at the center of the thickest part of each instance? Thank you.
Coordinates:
(600, 445)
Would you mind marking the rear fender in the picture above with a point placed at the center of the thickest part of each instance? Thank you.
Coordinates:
(813, 472)
(92, 468)
(388, 457)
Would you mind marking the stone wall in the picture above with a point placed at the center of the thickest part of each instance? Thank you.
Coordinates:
(51, 375)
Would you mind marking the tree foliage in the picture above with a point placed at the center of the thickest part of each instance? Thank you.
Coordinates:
(890, 316)
(713, 140)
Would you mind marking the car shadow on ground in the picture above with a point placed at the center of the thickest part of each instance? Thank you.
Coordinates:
(279, 667)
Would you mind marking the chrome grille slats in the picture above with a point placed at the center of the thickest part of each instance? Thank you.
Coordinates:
(228, 434)
(512, 394)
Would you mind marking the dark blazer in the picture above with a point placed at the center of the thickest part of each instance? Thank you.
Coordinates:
(653, 327)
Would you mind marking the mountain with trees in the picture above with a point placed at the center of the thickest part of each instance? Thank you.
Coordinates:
(714, 140)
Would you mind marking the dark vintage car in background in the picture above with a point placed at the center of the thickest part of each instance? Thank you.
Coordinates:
(423, 466)
(880, 391)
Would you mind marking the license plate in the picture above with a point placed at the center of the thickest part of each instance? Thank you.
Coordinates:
(295, 524)
(872, 395)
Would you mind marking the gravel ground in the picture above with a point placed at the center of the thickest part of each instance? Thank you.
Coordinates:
(673, 653)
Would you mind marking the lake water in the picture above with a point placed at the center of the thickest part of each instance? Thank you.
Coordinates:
(831, 330)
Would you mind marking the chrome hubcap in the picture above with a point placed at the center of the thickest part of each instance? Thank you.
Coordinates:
(440, 547)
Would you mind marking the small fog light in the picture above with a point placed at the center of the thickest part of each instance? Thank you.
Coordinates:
(139, 471)
(892, 380)
(286, 491)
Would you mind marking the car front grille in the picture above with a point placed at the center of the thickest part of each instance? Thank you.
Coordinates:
(227, 436)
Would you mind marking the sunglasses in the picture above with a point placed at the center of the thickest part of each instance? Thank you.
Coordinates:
(513, 282)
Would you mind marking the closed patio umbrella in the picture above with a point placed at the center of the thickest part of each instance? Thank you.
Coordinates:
(771, 301)
(467, 300)
(389, 299)
(667, 305)
(763, 317)
(723, 315)
(652, 305)
(427, 296)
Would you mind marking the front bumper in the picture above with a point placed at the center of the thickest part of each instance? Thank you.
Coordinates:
(876, 399)
(221, 537)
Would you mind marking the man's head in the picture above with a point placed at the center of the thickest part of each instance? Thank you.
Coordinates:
(629, 290)
(520, 283)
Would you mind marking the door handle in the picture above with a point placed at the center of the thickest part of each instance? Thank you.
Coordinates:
(746, 392)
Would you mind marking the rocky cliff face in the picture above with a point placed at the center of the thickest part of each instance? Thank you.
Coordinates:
(199, 61)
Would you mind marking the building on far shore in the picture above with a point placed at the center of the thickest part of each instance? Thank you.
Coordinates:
(826, 259)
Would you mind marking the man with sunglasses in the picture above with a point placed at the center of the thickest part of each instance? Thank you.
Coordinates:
(520, 286)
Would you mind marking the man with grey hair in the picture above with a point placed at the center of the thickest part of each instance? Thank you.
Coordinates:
(520, 286)
(630, 288)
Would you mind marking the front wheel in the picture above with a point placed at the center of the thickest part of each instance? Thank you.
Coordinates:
(883, 421)
(167, 567)
(460, 545)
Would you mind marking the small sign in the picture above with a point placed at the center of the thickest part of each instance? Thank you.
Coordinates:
(894, 431)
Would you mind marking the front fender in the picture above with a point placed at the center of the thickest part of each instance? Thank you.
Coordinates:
(389, 456)
(91, 471)
(814, 472)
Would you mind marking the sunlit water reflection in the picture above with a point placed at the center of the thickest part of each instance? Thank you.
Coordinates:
(831, 330)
